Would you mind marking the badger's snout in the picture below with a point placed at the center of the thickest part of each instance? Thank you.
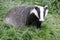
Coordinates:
(41, 20)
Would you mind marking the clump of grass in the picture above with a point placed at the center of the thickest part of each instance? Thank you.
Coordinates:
(50, 28)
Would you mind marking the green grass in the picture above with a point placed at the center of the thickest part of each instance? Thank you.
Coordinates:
(50, 27)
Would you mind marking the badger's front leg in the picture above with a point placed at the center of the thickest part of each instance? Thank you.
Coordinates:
(38, 24)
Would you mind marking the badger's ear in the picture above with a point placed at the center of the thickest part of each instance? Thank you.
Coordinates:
(36, 8)
(46, 6)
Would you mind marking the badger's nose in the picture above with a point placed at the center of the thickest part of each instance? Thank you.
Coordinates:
(41, 20)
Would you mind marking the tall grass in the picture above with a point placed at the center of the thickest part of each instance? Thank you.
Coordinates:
(50, 28)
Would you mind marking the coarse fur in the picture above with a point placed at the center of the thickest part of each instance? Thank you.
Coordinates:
(25, 15)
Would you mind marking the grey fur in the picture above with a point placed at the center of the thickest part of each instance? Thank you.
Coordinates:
(18, 16)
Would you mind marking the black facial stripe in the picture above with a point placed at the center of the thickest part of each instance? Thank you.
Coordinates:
(44, 11)
(38, 10)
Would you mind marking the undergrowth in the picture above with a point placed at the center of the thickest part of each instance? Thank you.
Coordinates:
(50, 27)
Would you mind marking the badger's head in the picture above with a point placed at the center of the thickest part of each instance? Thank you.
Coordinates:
(40, 12)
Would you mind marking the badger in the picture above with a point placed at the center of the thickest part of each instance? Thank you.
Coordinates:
(21, 16)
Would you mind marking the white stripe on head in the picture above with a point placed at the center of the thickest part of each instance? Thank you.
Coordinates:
(46, 12)
(41, 13)
(35, 12)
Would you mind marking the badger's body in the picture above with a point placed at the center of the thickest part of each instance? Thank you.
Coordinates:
(21, 16)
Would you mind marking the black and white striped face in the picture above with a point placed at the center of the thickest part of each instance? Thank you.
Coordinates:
(40, 12)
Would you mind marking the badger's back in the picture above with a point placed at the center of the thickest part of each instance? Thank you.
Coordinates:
(17, 16)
